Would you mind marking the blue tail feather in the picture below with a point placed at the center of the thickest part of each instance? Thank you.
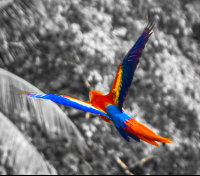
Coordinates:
(134, 137)
(123, 133)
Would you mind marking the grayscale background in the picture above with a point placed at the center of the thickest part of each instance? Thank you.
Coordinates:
(73, 46)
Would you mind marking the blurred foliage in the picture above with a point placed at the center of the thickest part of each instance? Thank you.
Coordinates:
(70, 47)
(18, 155)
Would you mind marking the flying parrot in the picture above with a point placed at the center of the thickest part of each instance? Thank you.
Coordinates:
(110, 106)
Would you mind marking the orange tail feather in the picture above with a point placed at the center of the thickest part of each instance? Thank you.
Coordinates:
(148, 140)
(144, 133)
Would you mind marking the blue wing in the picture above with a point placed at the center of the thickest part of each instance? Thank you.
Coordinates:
(127, 67)
(69, 101)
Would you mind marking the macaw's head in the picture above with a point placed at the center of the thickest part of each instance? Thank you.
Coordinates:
(94, 94)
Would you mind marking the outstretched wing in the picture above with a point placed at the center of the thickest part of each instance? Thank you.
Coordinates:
(127, 67)
(69, 101)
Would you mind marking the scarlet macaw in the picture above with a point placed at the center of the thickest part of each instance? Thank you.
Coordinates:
(110, 106)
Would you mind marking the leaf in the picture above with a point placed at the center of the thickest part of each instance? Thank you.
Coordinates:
(17, 154)
(37, 6)
(50, 118)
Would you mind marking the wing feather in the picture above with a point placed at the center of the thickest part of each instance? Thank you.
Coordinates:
(126, 69)
(69, 101)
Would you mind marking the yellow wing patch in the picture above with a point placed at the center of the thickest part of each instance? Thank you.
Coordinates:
(118, 85)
